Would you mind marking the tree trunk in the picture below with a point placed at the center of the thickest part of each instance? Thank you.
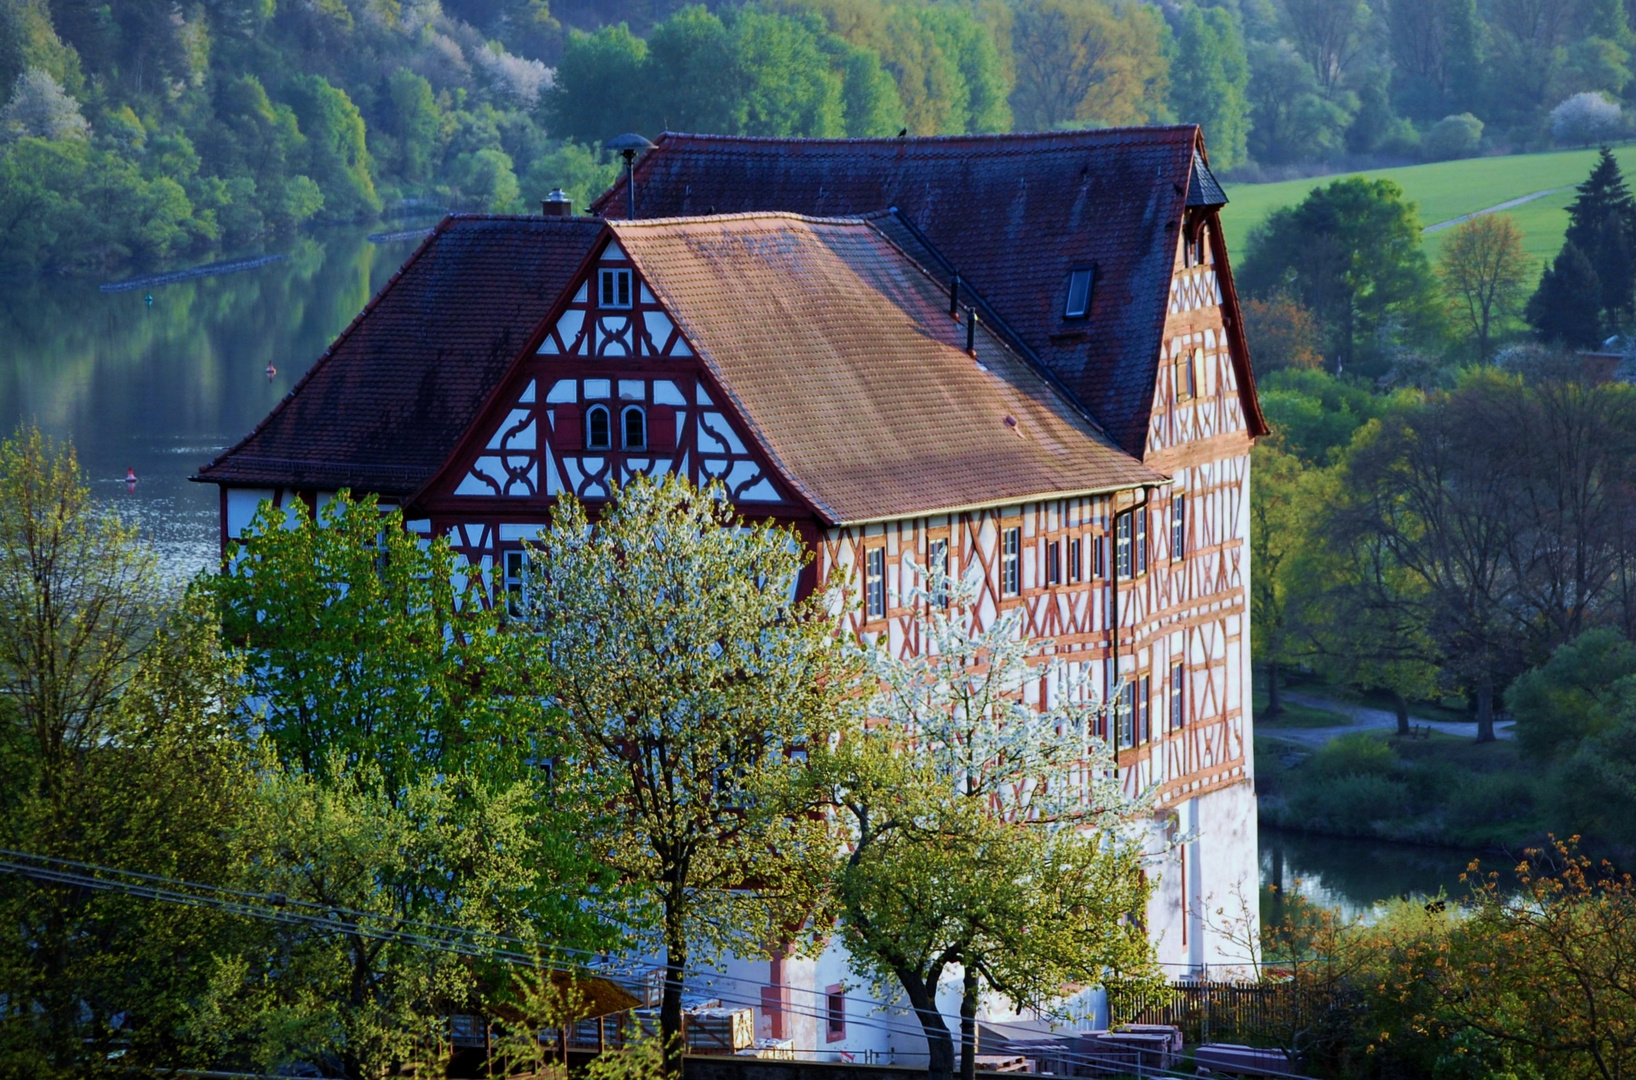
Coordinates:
(968, 1026)
(670, 1004)
(1274, 704)
(1485, 712)
(939, 1047)
(1401, 704)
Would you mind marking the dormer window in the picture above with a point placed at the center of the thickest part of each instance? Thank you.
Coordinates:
(1079, 293)
(634, 428)
(598, 428)
(614, 290)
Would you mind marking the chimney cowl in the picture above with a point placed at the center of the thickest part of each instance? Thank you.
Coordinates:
(557, 204)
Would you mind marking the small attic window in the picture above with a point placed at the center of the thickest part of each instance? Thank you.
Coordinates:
(1079, 293)
(615, 289)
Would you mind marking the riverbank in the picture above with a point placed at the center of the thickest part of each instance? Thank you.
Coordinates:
(1339, 768)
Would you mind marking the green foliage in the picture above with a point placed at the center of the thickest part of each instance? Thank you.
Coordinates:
(1209, 78)
(1454, 136)
(337, 158)
(1582, 690)
(1566, 309)
(1315, 413)
(1350, 253)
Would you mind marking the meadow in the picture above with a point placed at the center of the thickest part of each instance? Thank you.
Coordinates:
(1447, 190)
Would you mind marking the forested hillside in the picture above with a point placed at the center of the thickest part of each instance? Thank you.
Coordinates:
(147, 129)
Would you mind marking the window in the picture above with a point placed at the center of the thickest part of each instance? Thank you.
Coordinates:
(937, 569)
(1011, 563)
(1186, 375)
(1099, 557)
(1079, 293)
(515, 561)
(1076, 565)
(1178, 528)
(1200, 243)
(615, 290)
(1121, 551)
(1125, 718)
(1053, 563)
(1178, 700)
(834, 1012)
(1143, 688)
(1140, 543)
(874, 583)
(634, 427)
(598, 428)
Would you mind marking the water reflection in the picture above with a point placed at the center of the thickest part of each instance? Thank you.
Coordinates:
(1351, 876)
(159, 389)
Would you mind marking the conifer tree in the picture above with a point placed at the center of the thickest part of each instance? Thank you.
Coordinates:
(1601, 222)
(1567, 304)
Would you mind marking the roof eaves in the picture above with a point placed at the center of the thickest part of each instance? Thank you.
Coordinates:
(1155, 479)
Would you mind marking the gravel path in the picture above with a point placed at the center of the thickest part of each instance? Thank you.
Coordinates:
(1496, 208)
(1363, 718)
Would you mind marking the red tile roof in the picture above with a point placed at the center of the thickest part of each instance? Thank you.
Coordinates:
(386, 403)
(1013, 213)
(839, 351)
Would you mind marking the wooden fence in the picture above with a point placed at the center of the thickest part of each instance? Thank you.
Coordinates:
(1263, 1013)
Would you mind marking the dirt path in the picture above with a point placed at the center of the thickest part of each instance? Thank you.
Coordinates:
(1496, 208)
(1363, 718)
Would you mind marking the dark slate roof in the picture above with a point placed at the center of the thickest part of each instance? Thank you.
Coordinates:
(1203, 189)
(1013, 213)
(838, 349)
(386, 404)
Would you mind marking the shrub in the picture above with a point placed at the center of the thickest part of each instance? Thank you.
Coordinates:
(1453, 137)
(1353, 755)
(1486, 799)
(1348, 805)
(1586, 118)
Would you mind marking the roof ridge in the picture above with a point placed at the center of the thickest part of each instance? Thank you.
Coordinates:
(631, 224)
(911, 140)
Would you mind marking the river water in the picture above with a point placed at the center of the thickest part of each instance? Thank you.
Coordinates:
(160, 388)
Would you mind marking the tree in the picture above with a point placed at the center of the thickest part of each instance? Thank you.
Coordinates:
(1566, 308)
(1209, 79)
(1586, 118)
(869, 97)
(1290, 118)
(1282, 334)
(1328, 34)
(1281, 523)
(1436, 62)
(694, 683)
(1602, 224)
(1579, 692)
(337, 158)
(1454, 136)
(984, 833)
(118, 746)
(1484, 271)
(415, 123)
(1087, 63)
(600, 89)
(39, 108)
(1349, 253)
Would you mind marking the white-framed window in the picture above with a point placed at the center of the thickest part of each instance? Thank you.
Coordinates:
(516, 564)
(1080, 280)
(1053, 562)
(937, 567)
(1011, 562)
(613, 288)
(598, 428)
(1125, 718)
(1144, 688)
(633, 428)
(1099, 556)
(1140, 542)
(1076, 560)
(874, 582)
(1178, 527)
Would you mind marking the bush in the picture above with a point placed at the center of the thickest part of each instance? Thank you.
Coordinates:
(1453, 137)
(1353, 755)
(1486, 799)
(1586, 118)
(1348, 805)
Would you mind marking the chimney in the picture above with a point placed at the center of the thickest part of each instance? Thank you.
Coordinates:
(557, 204)
(954, 298)
(971, 331)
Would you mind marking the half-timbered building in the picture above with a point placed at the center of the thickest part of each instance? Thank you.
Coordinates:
(1018, 356)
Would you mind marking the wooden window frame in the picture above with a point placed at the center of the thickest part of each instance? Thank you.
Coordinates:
(1178, 696)
(591, 441)
(616, 288)
(1139, 542)
(1124, 559)
(1099, 556)
(1053, 562)
(834, 1012)
(937, 589)
(514, 559)
(1184, 370)
(1178, 526)
(1076, 560)
(625, 427)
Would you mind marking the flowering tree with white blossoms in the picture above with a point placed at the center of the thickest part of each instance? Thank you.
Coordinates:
(986, 833)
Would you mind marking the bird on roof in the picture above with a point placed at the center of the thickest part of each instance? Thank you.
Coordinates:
(902, 132)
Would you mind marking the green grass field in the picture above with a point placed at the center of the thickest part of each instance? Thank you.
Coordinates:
(1449, 189)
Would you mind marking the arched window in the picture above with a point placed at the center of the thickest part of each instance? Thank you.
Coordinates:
(635, 428)
(598, 428)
